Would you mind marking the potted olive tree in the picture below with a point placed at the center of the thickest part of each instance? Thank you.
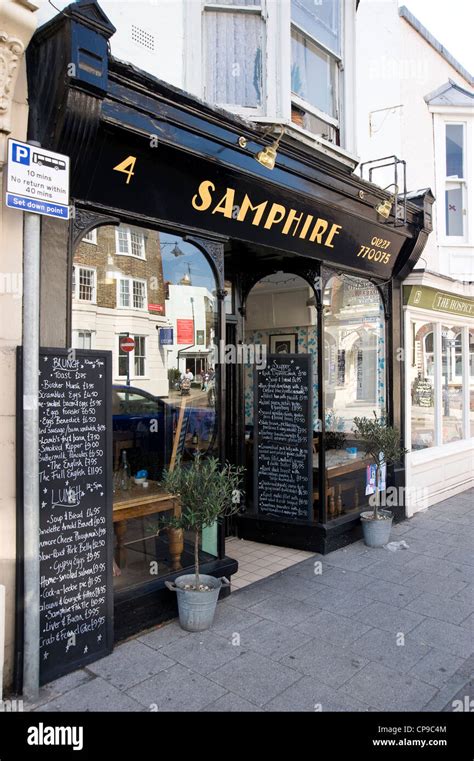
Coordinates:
(382, 443)
(207, 492)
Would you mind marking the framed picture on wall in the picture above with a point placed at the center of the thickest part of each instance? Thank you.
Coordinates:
(284, 343)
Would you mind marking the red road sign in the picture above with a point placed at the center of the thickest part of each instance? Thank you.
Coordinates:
(127, 343)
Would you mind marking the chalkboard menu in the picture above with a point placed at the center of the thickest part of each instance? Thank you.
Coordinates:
(283, 437)
(75, 474)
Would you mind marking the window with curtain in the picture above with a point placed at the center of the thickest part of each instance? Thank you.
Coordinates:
(234, 33)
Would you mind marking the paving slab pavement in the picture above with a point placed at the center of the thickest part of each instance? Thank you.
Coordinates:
(368, 630)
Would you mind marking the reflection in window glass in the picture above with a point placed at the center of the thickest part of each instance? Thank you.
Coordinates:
(283, 305)
(354, 385)
(312, 73)
(162, 282)
(452, 402)
(471, 380)
(82, 339)
(422, 384)
(320, 19)
(454, 150)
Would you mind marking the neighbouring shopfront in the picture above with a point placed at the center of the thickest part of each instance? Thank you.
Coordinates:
(439, 394)
(279, 291)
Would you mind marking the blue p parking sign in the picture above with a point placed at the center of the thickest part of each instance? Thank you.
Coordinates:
(37, 180)
(21, 153)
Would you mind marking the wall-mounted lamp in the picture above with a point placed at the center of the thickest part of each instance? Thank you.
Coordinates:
(267, 156)
(385, 207)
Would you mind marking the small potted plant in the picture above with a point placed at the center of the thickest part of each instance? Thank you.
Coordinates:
(382, 443)
(207, 492)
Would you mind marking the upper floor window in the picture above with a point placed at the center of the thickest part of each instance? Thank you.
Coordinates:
(455, 181)
(84, 283)
(90, 237)
(315, 57)
(321, 19)
(234, 33)
(130, 241)
(132, 294)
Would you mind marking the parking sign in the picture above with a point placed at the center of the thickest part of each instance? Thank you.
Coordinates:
(38, 180)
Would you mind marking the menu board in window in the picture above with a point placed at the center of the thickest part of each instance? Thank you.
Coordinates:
(76, 534)
(283, 437)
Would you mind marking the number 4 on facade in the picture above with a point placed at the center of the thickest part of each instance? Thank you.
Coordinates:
(127, 166)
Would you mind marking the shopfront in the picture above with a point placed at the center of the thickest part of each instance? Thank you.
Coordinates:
(205, 260)
(439, 396)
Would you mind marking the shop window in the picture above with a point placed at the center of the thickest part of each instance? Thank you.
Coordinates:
(229, 297)
(315, 51)
(84, 283)
(452, 392)
(422, 383)
(130, 242)
(151, 418)
(455, 181)
(280, 316)
(471, 381)
(234, 32)
(354, 385)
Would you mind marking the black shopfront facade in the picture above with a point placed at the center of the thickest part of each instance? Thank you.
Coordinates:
(297, 259)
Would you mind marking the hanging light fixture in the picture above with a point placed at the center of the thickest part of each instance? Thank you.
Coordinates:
(267, 156)
(176, 251)
(385, 207)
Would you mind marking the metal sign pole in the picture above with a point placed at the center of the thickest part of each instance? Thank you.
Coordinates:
(129, 359)
(52, 200)
(31, 287)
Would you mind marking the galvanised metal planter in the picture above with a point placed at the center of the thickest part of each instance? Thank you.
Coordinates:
(376, 532)
(197, 608)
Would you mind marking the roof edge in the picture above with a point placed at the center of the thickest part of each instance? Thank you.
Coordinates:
(404, 13)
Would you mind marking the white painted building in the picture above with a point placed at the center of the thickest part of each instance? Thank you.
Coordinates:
(288, 62)
(292, 63)
(417, 102)
(190, 311)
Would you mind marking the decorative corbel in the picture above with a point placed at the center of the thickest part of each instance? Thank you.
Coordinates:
(11, 52)
(17, 24)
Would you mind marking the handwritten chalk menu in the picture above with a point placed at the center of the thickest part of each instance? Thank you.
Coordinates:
(283, 437)
(75, 449)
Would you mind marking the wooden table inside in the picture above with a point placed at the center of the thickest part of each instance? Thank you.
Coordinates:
(137, 502)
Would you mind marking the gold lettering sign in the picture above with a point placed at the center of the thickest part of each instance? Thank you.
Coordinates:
(265, 214)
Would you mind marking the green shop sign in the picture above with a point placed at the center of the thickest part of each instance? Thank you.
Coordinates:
(438, 301)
